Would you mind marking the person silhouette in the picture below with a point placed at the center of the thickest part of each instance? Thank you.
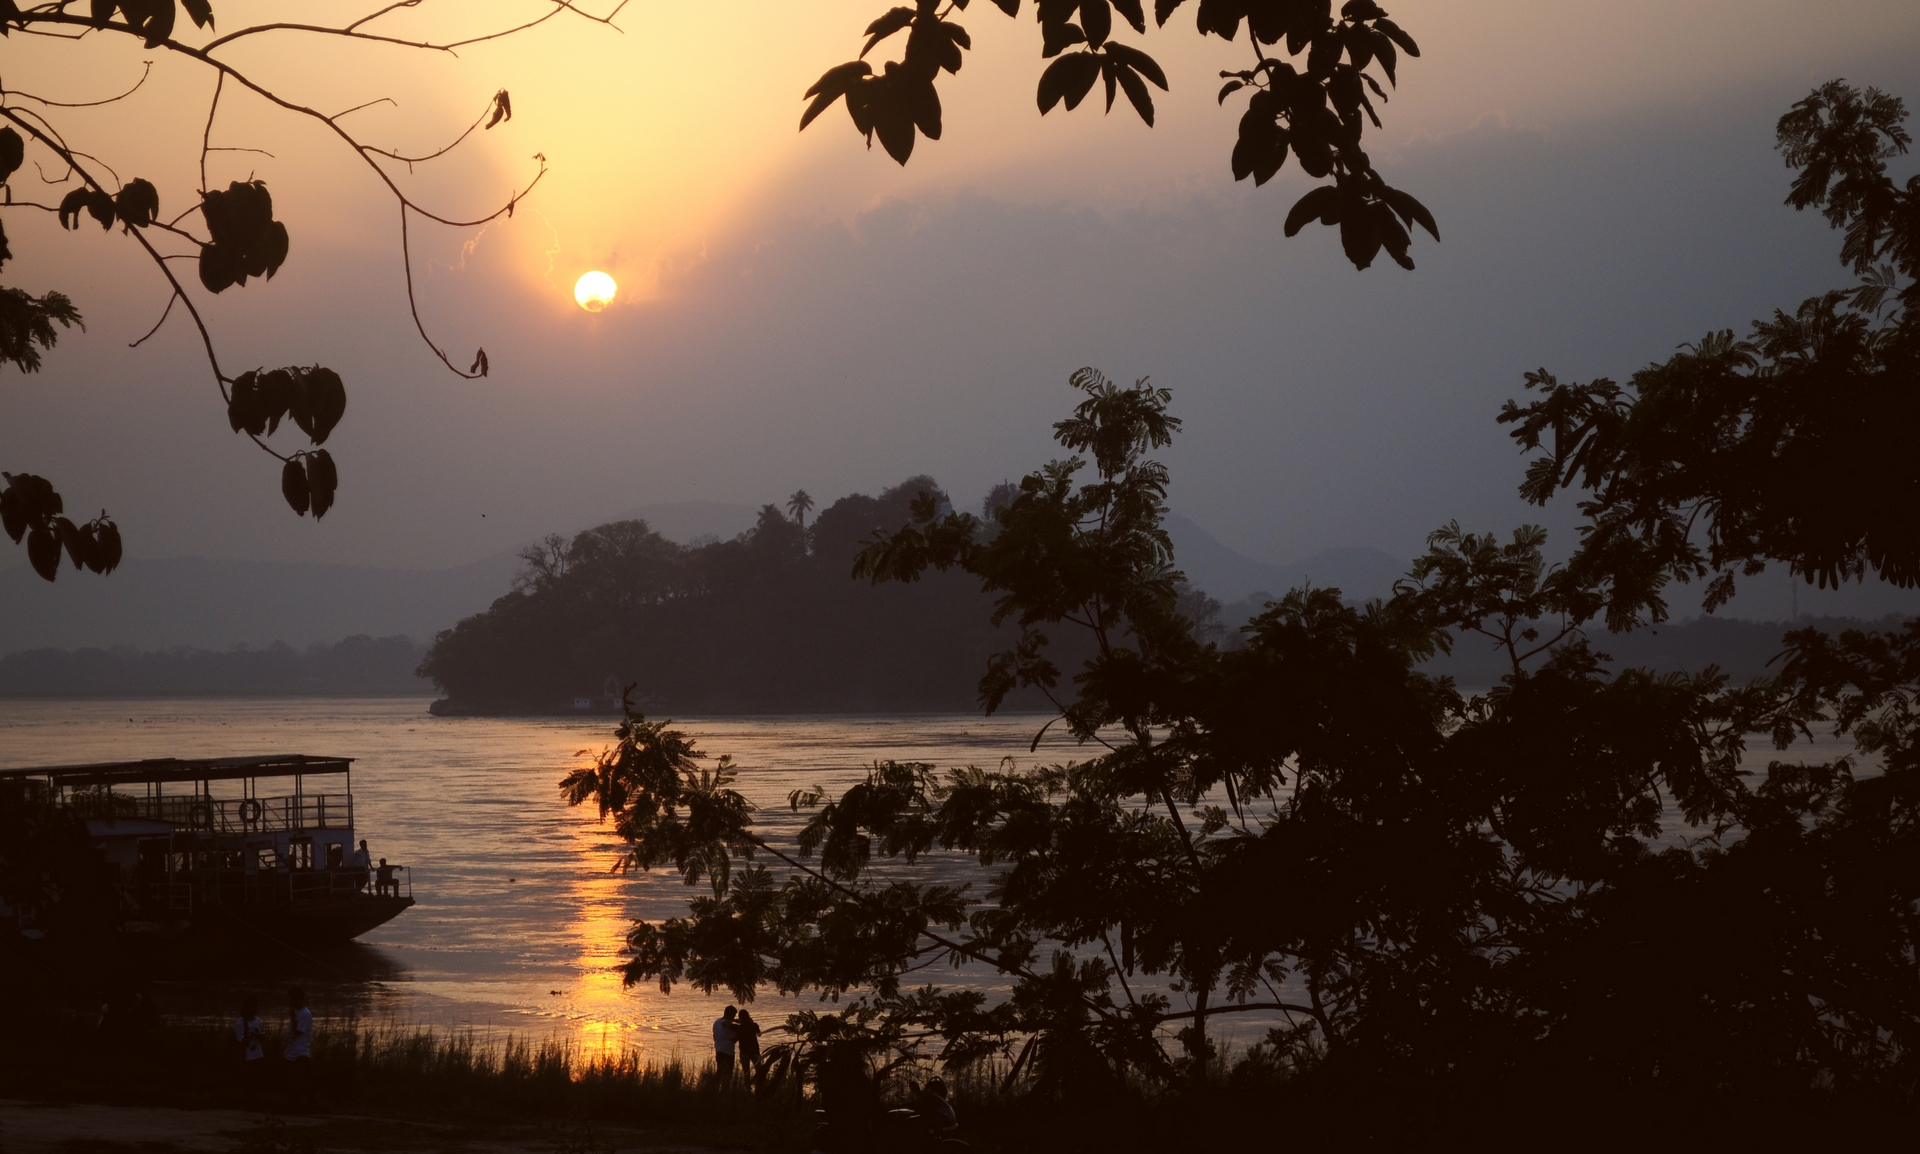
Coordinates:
(931, 1103)
(299, 1051)
(747, 1033)
(725, 1037)
(250, 1037)
(363, 862)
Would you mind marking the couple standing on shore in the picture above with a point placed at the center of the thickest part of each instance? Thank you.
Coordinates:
(735, 1032)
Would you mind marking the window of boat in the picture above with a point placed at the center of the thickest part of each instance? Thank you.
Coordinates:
(300, 853)
(264, 858)
(336, 855)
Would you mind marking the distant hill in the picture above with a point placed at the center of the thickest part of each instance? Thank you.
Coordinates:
(1743, 650)
(200, 602)
(213, 604)
(1228, 576)
(356, 667)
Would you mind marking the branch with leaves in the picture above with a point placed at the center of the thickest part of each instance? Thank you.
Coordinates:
(1315, 106)
(238, 238)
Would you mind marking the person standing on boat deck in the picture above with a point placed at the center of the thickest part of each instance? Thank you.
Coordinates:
(725, 1036)
(748, 1032)
(250, 1034)
(299, 1051)
(362, 862)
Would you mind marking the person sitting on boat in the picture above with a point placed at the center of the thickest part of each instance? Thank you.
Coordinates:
(362, 862)
(384, 885)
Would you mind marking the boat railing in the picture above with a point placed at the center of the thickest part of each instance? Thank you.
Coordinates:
(174, 897)
(233, 887)
(232, 815)
(314, 884)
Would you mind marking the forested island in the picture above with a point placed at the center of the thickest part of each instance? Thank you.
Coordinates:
(769, 622)
(772, 622)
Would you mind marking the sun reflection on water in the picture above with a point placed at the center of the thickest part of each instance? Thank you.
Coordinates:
(604, 1017)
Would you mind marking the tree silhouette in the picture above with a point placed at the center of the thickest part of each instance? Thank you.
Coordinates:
(237, 237)
(1793, 444)
(798, 506)
(1457, 904)
(1315, 107)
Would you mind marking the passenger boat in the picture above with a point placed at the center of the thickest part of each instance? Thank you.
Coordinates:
(229, 845)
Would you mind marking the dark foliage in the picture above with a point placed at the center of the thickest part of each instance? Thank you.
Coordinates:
(1794, 444)
(765, 623)
(1743, 650)
(1462, 906)
(30, 508)
(1315, 107)
(52, 881)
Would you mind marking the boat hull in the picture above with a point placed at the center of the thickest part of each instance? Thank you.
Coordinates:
(338, 919)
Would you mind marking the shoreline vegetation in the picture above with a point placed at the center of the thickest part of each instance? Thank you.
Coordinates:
(396, 1087)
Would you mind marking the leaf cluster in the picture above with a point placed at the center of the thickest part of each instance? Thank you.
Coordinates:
(1313, 111)
(151, 19)
(26, 322)
(247, 241)
(30, 508)
(316, 399)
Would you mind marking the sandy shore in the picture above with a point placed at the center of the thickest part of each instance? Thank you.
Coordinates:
(66, 1128)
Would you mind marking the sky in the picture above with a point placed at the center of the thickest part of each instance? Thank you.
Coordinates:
(796, 310)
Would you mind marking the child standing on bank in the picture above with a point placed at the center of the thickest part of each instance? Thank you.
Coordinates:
(250, 1037)
(299, 1051)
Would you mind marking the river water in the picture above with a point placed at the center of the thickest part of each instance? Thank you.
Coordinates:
(519, 920)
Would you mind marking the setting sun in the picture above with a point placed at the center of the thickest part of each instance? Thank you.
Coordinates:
(594, 291)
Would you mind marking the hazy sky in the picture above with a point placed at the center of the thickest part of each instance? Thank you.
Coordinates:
(799, 311)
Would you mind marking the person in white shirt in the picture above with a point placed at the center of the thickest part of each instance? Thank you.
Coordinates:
(250, 1034)
(299, 1051)
(724, 1039)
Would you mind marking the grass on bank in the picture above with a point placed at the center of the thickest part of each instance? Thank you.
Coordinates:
(394, 1070)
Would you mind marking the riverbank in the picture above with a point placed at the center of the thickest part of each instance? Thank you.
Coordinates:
(30, 1127)
(181, 1085)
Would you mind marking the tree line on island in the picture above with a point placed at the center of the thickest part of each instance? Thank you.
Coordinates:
(767, 622)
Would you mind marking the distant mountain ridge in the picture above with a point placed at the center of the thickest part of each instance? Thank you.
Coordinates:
(356, 667)
(1228, 575)
(209, 603)
(213, 604)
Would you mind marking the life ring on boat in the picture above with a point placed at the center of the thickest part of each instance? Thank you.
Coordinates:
(250, 810)
(200, 815)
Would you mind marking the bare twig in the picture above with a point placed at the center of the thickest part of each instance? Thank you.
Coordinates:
(167, 312)
(148, 71)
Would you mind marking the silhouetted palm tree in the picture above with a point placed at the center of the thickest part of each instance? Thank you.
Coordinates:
(797, 506)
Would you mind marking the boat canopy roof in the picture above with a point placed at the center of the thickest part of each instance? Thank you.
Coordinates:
(159, 769)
